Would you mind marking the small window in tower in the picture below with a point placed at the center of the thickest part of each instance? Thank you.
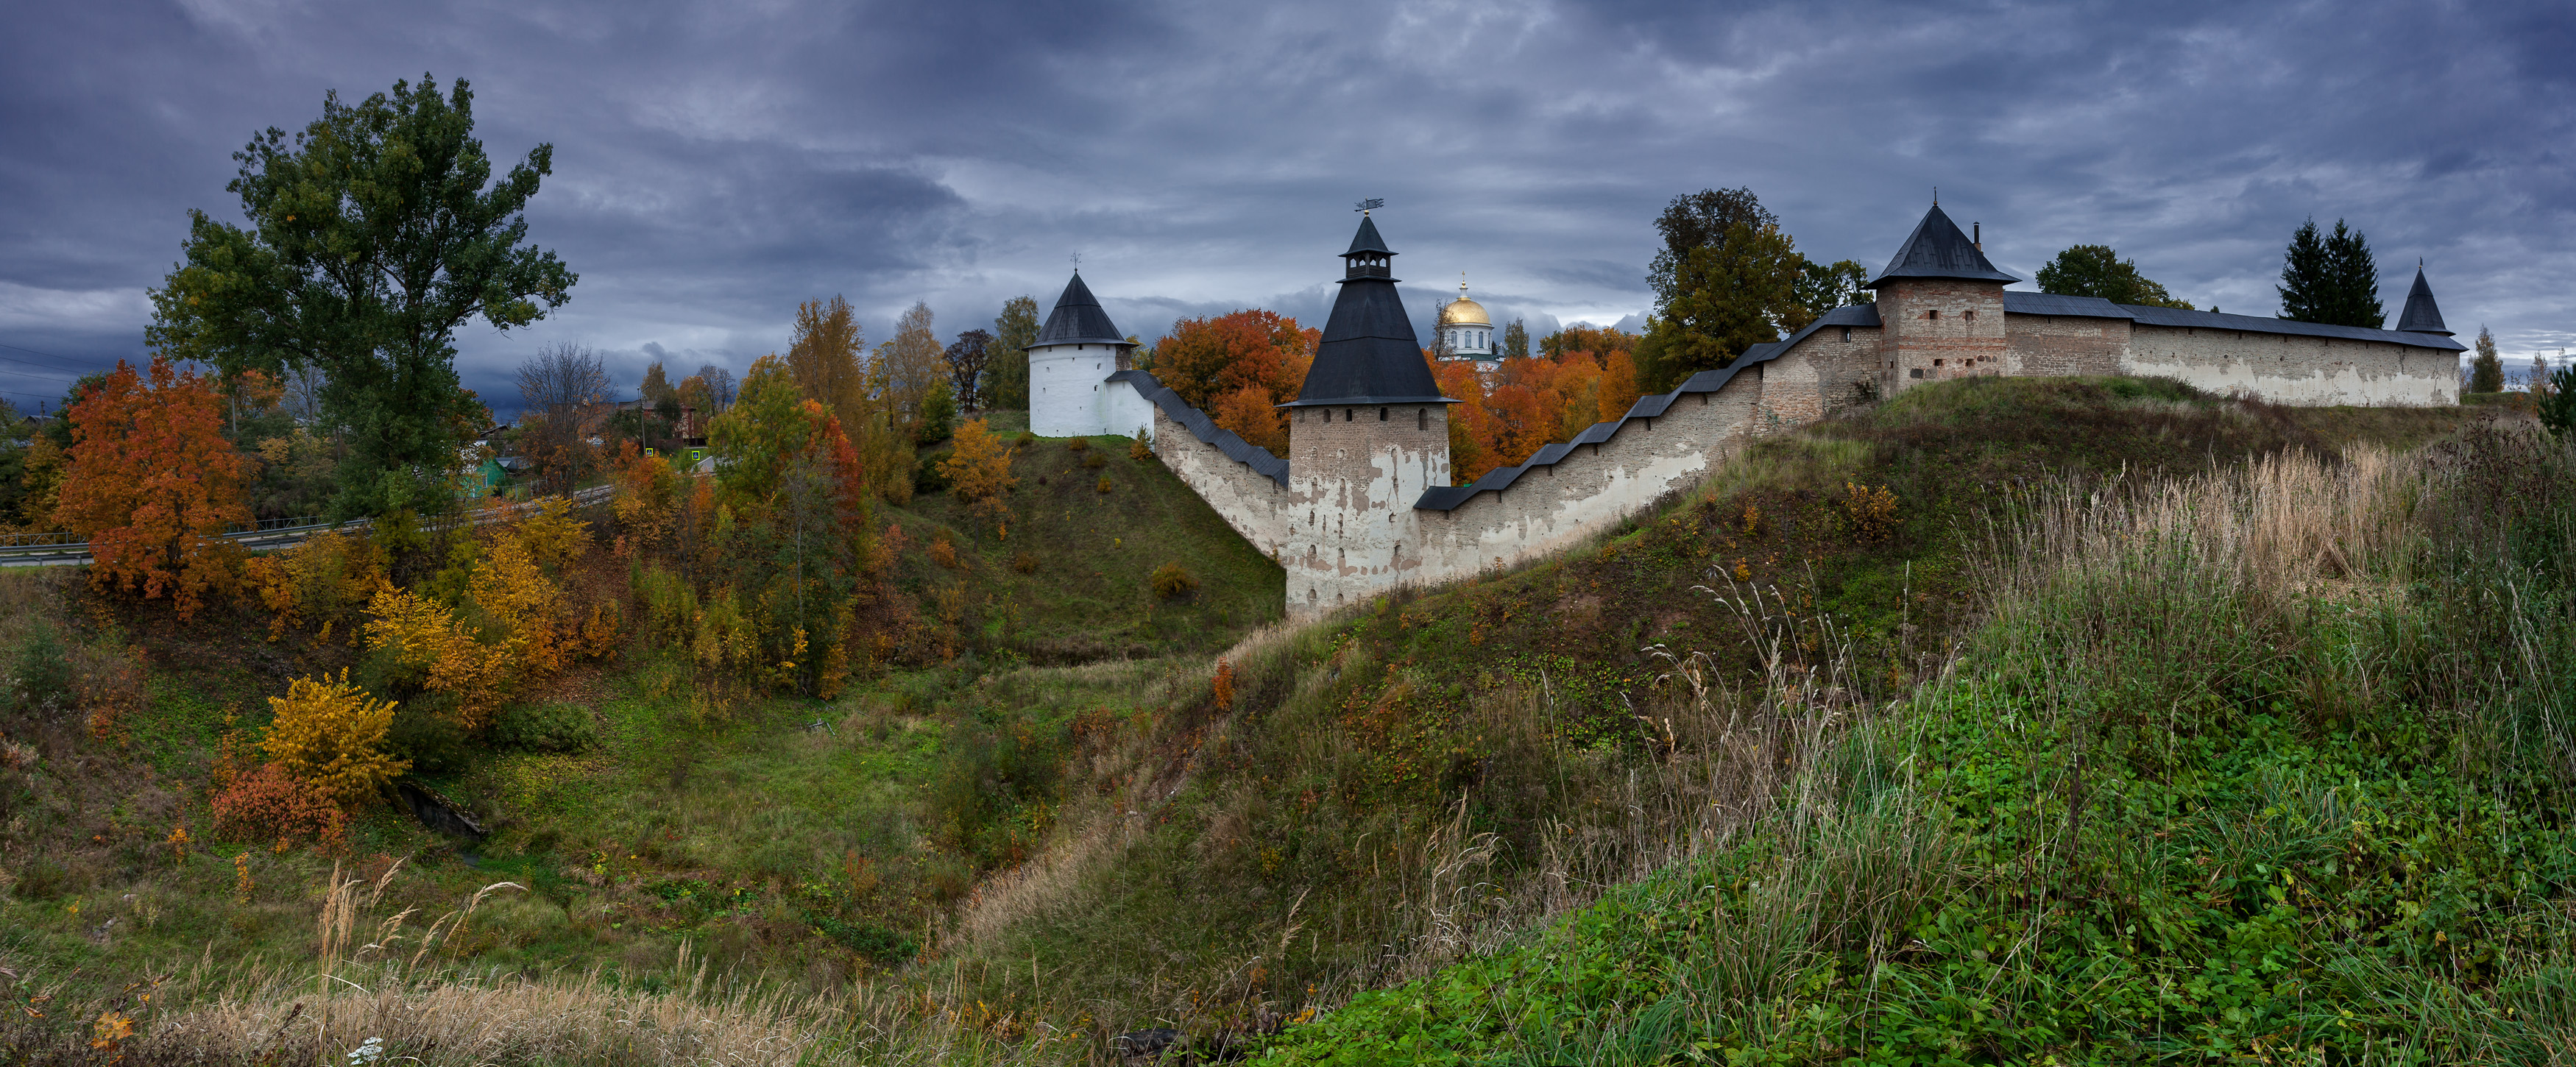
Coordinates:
(1422, 418)
(1936, 363)
(1346, 414)
(1381, 414)
(1932, 314)
(1846, 335)
(1915, 373)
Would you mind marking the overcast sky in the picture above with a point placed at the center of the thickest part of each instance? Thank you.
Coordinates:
(714, 164)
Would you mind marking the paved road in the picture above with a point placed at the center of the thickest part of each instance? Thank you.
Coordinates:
(73, 555)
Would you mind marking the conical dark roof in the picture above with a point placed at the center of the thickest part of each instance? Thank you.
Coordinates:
(1367, 239)
(2420, 315)
(1369, 354)
(1077, 319)
(1938, 250)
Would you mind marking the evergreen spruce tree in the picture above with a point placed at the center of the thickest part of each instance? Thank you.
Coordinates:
(1515, 341)
(2331, 279)
(2486, 372)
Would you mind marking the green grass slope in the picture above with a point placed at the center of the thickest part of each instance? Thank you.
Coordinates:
(1390, 786)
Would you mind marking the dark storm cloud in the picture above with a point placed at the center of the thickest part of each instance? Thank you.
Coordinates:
(715, 164)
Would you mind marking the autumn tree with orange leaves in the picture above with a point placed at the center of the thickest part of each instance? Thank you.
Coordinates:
(1237, 367)
(152, 484)
(1580, 376)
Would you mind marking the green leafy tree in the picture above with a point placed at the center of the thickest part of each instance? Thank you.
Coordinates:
(2486, 372)
(764, 432)
(1013, 332)
(2098, 271)
(1822, 287)
(1516, 341)
(2330, 278)
(374, 234)
(1699, 220)
(1727, 298)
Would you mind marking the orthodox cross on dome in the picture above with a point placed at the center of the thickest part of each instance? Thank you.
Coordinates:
(1365, 205)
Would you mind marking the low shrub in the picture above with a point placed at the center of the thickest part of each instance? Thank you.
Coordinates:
(1092, 461)
(267, 804)
(1025, 563)
(1077, 445)
(1171, 580)
(1105, 484)
(1140, 449)
(556, 727)
(40, 681)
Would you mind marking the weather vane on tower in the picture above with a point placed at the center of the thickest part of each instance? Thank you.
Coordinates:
(1365, 205)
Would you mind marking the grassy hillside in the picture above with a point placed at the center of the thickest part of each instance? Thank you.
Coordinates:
(2274, 764)
(1102, 810)
(788, 840)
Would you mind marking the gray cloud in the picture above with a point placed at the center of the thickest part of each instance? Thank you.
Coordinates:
(716, 164)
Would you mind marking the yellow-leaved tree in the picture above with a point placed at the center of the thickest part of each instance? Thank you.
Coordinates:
(427, 639)
(979, 470)
(331, 735)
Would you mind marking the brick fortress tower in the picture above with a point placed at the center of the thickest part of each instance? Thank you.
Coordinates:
(1368, 432)
(1942, 305)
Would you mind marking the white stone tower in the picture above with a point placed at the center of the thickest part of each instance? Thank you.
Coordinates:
(1069, 365)
(1367, 434)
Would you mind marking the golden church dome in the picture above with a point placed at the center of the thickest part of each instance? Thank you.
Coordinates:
(1464, 312)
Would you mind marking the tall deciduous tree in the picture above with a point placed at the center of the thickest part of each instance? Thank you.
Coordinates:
(566, 390)
(720, 386)
(970, 363)
(1014, 330)
(1205, 358)
(374, 234)
(1700, 220)
(2486, 372)
(2330, 278)
(151, 484)
(824, 358)
(908, 368)
(1516, 340)
(657, 384)
(2098, 271)
(1728, 298)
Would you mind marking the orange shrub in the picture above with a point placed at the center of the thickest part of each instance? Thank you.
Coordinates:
(269, 804)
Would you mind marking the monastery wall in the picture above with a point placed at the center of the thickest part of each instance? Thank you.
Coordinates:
(2063, 345)
(1848, 374)
(1251, 502)
(2288, 369)
(1550, 508)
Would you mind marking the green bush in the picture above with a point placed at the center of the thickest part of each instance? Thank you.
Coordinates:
(41, 680)
(558, 727)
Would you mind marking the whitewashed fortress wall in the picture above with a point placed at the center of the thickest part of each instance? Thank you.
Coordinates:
(1362, 504)
(2304, 371)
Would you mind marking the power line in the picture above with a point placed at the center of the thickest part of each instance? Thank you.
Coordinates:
(70, 363)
